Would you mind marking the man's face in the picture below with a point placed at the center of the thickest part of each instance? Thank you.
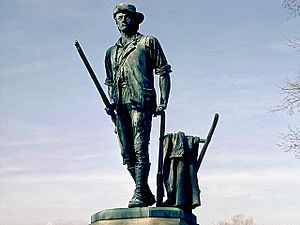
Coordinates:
(124, 22)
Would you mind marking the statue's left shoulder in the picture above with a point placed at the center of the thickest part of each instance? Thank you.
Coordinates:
(149, 41)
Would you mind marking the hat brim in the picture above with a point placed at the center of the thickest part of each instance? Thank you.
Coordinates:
(138, 16)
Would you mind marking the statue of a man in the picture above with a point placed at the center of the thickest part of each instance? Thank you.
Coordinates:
(130, 65)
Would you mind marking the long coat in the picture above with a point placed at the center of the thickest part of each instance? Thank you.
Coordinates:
(180, 171)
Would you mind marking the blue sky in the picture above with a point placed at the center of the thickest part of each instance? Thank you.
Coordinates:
(59, 158)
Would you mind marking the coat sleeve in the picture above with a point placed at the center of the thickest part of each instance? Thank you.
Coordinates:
(108, 68)
(157, 57)
(109, 81)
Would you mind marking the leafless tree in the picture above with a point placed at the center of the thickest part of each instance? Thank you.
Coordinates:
(238, 220)
(290, 142)
(290, 90)
(291, 97)
(293, 6)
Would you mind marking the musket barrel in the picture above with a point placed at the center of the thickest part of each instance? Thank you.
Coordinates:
(159, 181)
(96, 82)
(208, 139)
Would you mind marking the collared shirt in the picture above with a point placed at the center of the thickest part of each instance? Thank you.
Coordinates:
(130, 67)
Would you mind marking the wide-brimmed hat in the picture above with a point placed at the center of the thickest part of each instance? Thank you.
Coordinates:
(128, 9)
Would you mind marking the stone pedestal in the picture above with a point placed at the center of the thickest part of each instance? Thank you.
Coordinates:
(144, 216)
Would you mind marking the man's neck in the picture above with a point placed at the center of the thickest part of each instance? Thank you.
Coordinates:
(127, 37)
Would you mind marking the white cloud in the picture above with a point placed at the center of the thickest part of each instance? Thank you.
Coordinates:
(21, 133)
(256, 184)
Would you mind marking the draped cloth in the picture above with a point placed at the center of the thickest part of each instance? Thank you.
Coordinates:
(179, 171)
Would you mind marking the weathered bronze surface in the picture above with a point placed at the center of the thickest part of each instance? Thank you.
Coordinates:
(181, 163)
(130, 66)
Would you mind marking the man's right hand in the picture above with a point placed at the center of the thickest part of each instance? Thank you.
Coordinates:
(110, 110)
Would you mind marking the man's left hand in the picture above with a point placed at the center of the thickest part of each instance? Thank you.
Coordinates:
(160, 108)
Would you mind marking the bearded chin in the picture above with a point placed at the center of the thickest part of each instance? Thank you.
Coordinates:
(130, 29)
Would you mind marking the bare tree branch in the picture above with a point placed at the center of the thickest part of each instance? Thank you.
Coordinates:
(238, 220)
(294, 44)
(290, 103)
(293, 6)
(290, 142)
(291, 97)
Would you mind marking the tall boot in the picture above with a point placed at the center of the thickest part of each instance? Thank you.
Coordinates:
(148, 197)
(140, 182)
(139, 198)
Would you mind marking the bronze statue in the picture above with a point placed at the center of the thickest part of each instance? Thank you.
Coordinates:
(130, 65)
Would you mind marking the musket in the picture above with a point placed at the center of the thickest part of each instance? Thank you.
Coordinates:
(207, 141)
(96, 82)
(159, 177)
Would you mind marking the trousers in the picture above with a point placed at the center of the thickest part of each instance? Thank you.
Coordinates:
(133, 128)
